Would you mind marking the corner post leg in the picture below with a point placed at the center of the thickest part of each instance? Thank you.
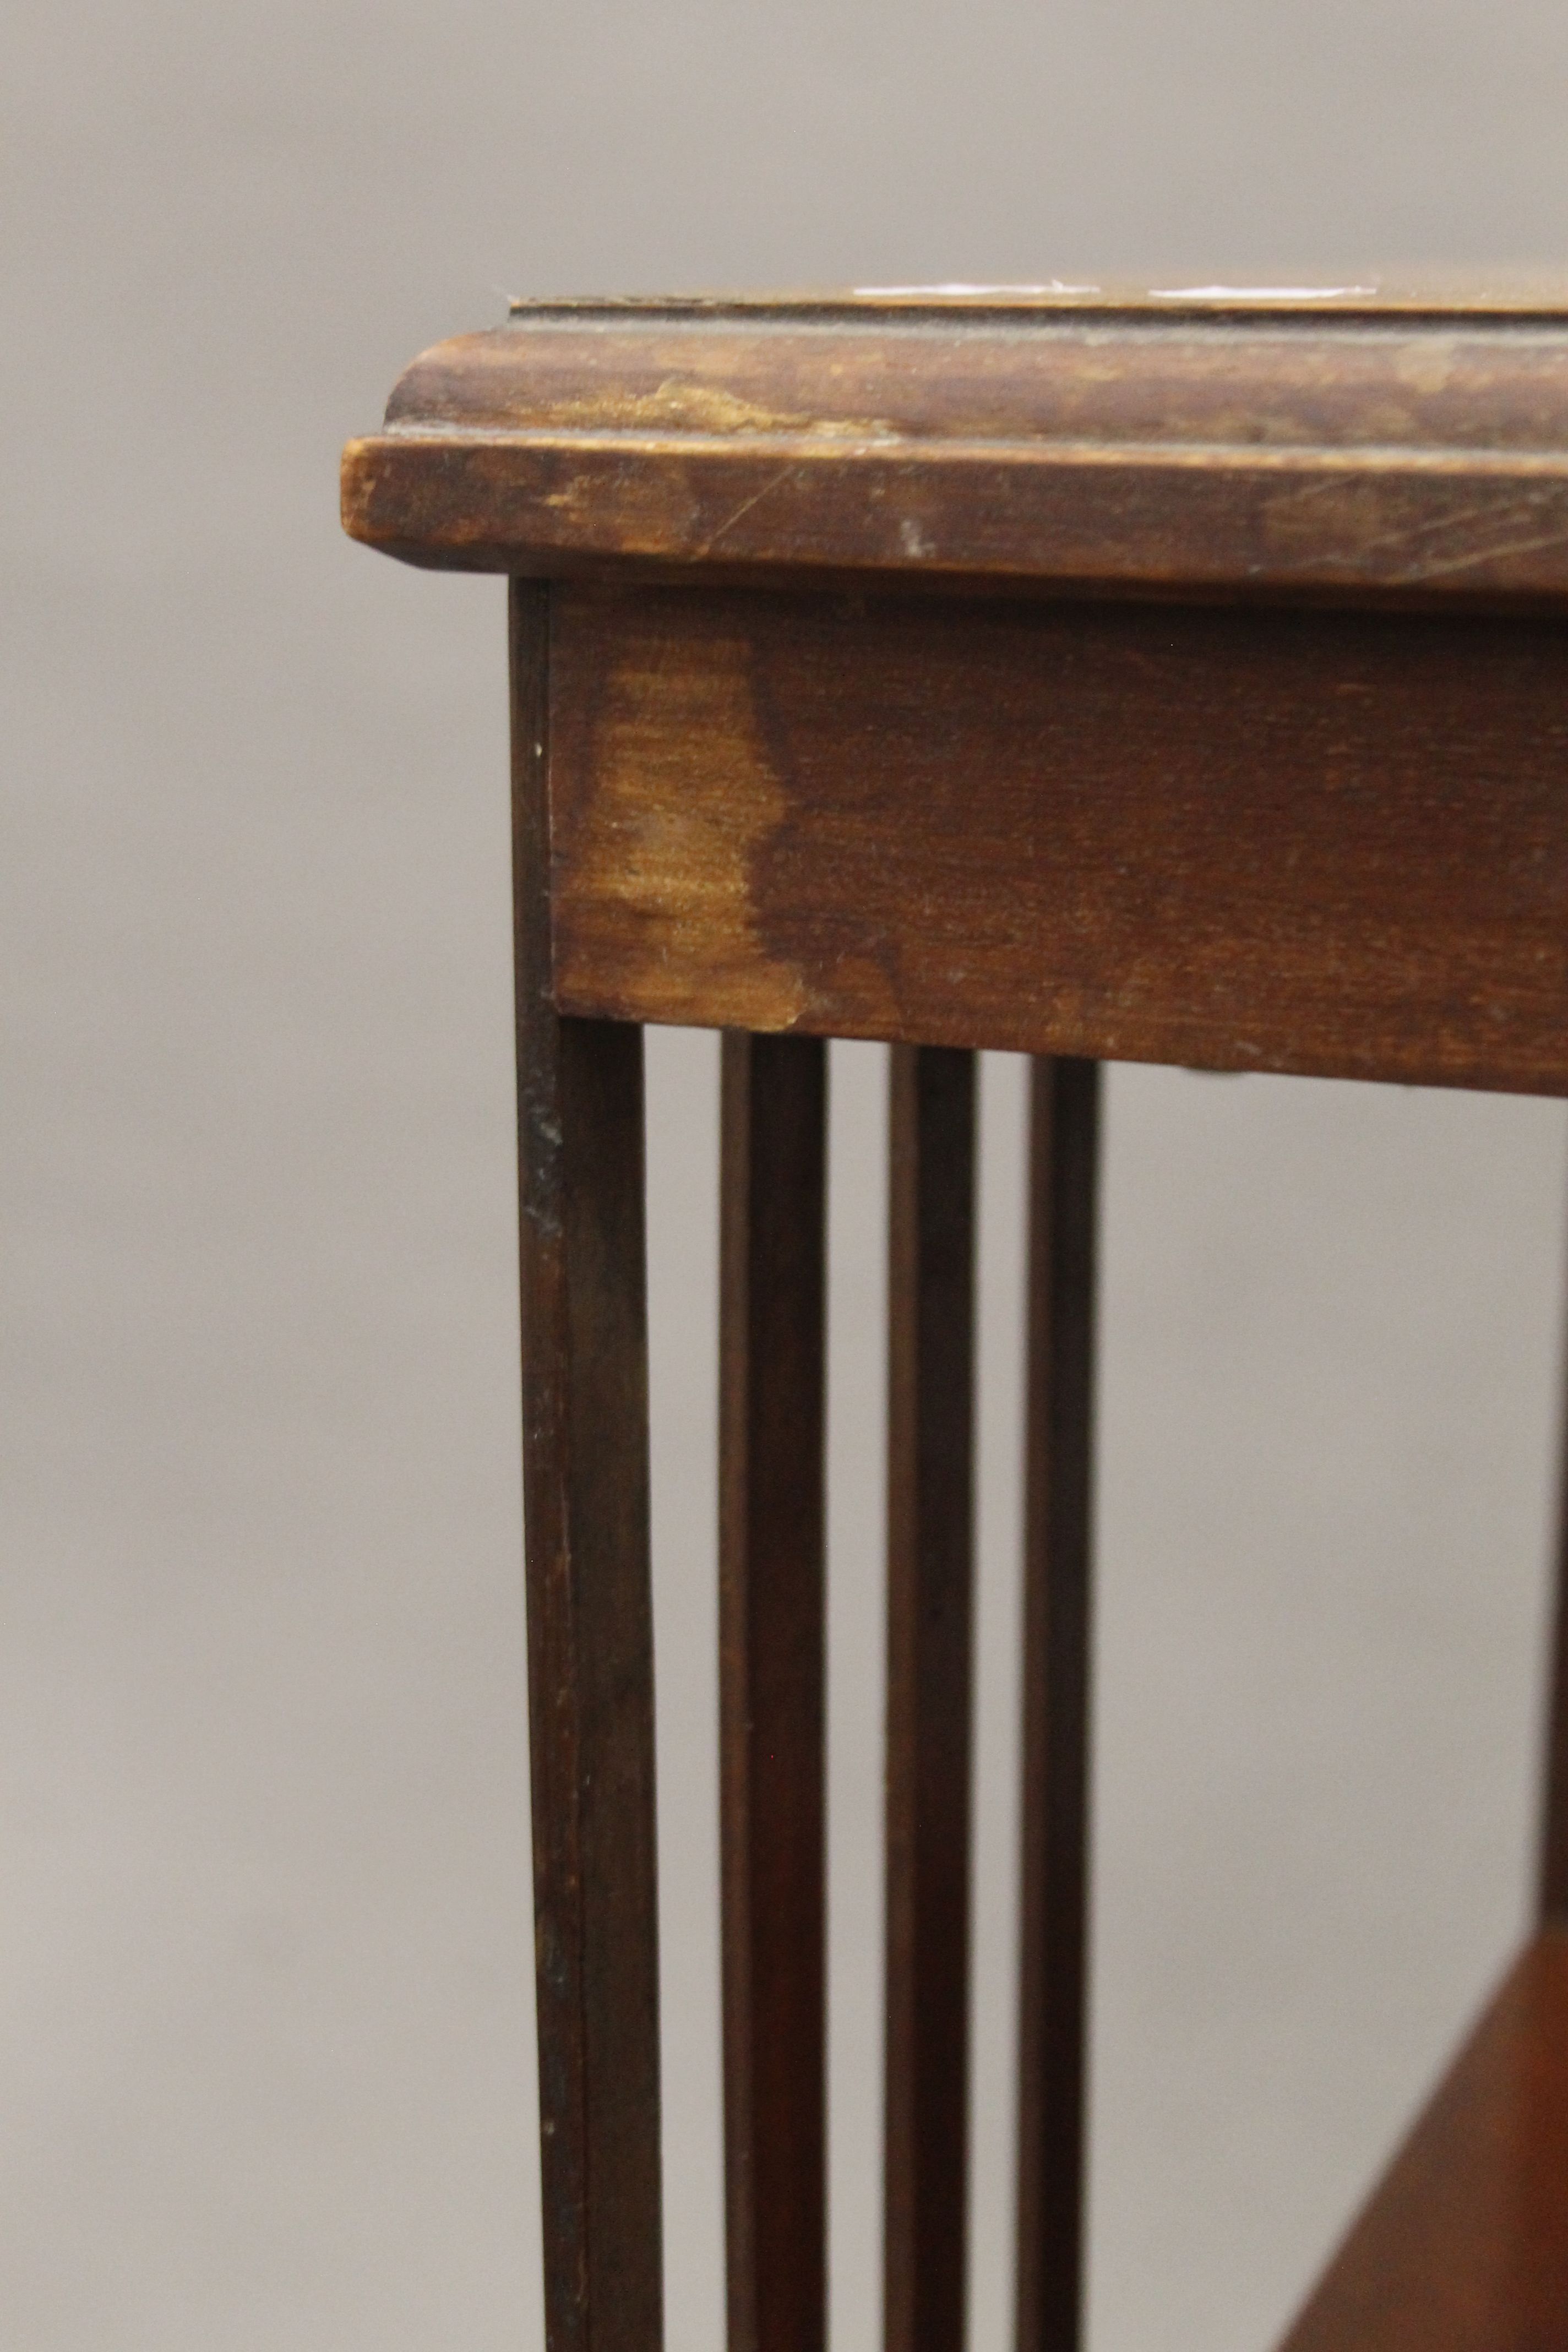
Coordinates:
(590, 1628)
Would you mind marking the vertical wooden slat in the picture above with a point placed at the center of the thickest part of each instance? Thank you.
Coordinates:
(1064, 1152)
(931, 1382)
(1553, 1882)
(771, 1287)
(590, 1644)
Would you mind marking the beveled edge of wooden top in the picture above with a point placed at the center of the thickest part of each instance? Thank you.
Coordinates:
(1500, 293)
(1241, 441)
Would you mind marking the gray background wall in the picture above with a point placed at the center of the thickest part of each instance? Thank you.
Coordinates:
(268, 2075)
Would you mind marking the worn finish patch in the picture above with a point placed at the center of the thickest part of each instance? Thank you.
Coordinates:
(662, 804)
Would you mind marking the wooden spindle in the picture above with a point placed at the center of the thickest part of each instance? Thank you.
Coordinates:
(590, 1641)
(931, 1384)
(1553, 1879)
(772, 1323)
(1064, 1152)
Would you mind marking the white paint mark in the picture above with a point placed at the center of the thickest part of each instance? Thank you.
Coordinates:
(913, 539)
(1254, 293)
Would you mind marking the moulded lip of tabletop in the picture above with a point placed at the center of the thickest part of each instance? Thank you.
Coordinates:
(867, 373)
(1502, 293)
(1249, 440)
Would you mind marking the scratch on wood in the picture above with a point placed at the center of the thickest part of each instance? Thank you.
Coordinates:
(1477, 558)
(745, 506)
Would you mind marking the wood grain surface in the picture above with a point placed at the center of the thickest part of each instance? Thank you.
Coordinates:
(773, 1276)
(930, 1547)
(1464, 2246)
(1327, 843)
(590, 1630)
(1064, 1164)
(1170, 444)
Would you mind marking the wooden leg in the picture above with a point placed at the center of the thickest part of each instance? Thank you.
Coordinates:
(590, 1643)
(1064, 1149)
(931, 1497)
(773, 1284)
(1462, 2246)
(1553, 1885)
